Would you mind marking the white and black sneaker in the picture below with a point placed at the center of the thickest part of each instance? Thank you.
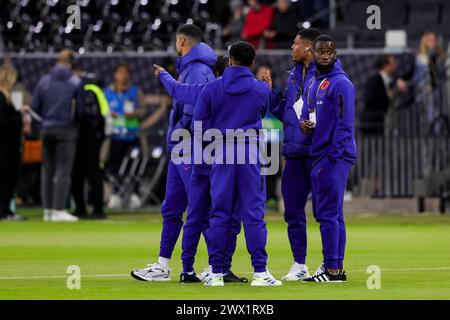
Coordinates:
(325, 276)
(153, 272)
(320, 269)
(206, 273)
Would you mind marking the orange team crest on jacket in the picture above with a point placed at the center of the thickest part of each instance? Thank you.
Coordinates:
(325, 85)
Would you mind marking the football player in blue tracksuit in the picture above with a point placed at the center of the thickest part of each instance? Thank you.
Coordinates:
(197, 220)
(236, 101)
(295, 182)
(195, 66)
(330, 118)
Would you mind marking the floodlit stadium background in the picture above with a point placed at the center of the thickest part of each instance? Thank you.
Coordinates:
(403, 164)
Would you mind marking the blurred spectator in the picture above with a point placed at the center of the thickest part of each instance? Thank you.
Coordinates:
(380, 91)
(87, 158)
(284, 25)
(28, 186)
(258, 19)
(126, 103)
(429, 77)
(59, 100)
(431, 59)
(232, 31)
(10, 142)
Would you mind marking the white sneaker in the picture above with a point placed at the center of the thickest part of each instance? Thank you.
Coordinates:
(298, 272)
(47, 214)
(206, 273)
(265, 279)
(214, 280)
(153, 272)
(60, 216)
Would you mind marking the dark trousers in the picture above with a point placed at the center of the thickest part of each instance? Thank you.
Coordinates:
(328, 184)
(9, 172)
(295, 187)
(87, 166)
(58, 153)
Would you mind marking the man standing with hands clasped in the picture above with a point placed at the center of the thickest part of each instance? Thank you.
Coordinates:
(330, 120)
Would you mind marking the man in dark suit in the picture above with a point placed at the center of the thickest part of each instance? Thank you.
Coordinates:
(379, 94)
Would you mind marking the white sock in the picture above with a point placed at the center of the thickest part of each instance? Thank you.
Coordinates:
(48, 211)
(164, 262)
(191, 273)
(260, 274)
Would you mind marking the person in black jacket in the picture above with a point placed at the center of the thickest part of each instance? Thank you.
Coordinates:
(87, 157)
(10, 143)
(284, 25)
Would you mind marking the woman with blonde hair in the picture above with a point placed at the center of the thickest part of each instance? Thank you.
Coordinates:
(10, 142)
(429, 79)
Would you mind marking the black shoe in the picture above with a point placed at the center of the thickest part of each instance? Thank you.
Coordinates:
(81, 216)
(189, 278)
(231, 277)
(98, 216)
(325, 276)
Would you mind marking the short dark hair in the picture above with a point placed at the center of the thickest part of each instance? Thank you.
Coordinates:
(122, 65)
(191, 31)
(382, 61)
(243, 53)
(310, 34)
(221, 64)
(325, 38)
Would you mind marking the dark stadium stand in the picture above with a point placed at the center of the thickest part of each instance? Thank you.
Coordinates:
(144, 25)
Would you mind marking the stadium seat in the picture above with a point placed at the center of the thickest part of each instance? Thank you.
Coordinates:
(394, 13)
(424, 13)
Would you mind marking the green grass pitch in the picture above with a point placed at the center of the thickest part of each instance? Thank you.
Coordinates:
(413, 253)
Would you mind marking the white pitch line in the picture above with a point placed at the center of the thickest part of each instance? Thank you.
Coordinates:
(127, 275)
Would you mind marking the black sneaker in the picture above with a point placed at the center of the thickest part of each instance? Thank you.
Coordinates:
(189, 278)
(98, 216)
(231, 277)
(325, 276)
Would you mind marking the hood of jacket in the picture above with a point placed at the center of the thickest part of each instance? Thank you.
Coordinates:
(237, 80)
(337, 69)
(201, 52)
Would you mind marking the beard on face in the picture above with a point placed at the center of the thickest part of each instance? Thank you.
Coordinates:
(325, 68)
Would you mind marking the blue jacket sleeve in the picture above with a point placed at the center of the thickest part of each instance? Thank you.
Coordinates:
(202, 110)
(183, 92)
(344, 101)
(199, 77)
(277, 105)
(36, 102)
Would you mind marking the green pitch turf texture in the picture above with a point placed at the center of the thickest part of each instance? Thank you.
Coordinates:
(413, 253)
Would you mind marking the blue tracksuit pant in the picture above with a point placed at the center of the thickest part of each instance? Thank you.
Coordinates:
(295, 188)
(328, 183)
(174, 205)
(245, 181)
(197, 220)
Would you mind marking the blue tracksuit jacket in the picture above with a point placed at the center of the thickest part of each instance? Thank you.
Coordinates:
(296, 143)
(195, 67)
(332, 95)
(223, 106)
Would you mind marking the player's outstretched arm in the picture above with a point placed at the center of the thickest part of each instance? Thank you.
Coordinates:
(183, 92)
